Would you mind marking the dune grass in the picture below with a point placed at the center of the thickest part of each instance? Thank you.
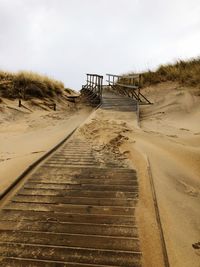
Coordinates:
(28, 84)
(184, 72)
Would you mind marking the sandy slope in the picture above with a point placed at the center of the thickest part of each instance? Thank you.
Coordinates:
(170, 137)
(25, 135)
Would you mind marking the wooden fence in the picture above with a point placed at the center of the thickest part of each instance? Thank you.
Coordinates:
(92, 90)
(129, 85)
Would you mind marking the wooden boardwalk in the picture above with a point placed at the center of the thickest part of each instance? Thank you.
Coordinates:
(71, 211)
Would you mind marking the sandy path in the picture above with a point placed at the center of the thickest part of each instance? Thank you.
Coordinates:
(175, 170)
(26, 138)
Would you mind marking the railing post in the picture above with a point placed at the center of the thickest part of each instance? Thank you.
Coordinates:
(98, 85)
(90, 81)
(101, 87)
(87, 82)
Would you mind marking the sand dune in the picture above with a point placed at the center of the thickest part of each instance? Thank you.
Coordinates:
(169, 137)
(26, 135)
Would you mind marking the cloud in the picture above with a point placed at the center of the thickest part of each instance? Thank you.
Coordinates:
(68, 38)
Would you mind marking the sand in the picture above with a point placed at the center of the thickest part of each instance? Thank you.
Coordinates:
(168, 137)
(26, 135)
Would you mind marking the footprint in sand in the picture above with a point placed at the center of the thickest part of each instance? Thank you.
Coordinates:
(196, 246)
(5, 159)
(188, 189)
(126, 152)
(35, 152)
(183, 129)
(172, 135)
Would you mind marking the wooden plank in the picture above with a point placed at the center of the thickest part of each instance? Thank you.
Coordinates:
(71, 240)
(94, 74)
(72, 208)
(95, 187)
(114, 75)
(22, 262)
(127, 86)
(74, 200)
(75, 255)
(66, 217)
(73, 228)
(78, 192)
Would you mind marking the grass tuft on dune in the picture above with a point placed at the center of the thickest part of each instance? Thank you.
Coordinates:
(26, 84)
(184, 72)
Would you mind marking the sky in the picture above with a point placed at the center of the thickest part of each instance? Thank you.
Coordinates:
(65, 39)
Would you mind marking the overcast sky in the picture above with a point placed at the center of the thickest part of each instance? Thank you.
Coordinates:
(68, 38)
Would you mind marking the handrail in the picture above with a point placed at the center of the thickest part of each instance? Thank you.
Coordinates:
(93, 88)
(129, 85)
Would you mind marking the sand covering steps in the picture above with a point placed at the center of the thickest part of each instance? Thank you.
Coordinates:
(73, 212)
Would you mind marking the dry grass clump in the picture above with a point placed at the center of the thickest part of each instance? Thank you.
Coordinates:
(185, 72)
(28, 84)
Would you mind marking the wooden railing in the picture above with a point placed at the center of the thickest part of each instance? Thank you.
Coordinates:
(129, 85)
(92, 90)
